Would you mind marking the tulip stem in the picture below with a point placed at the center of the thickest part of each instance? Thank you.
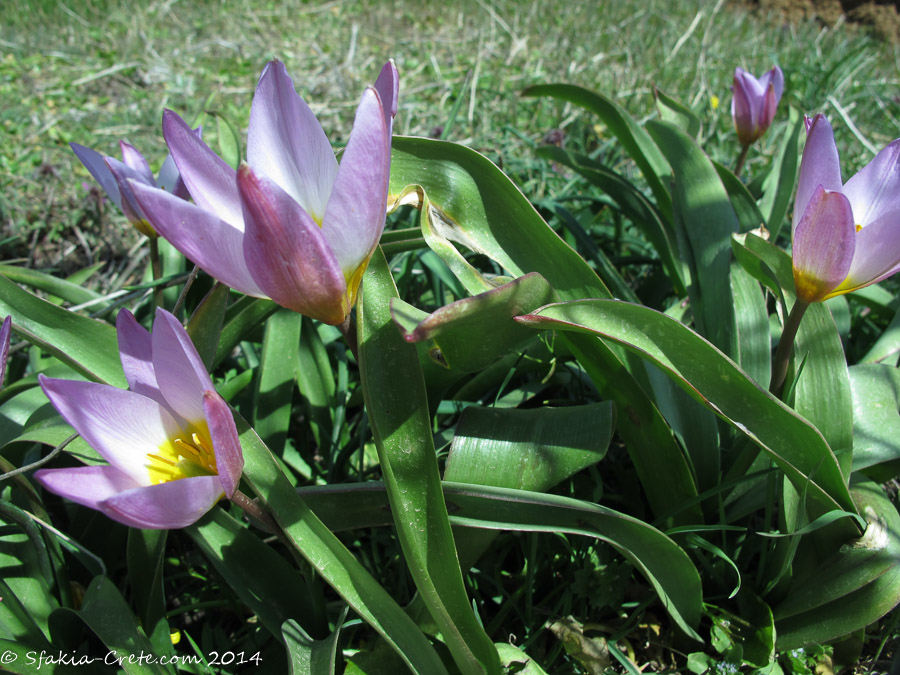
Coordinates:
(786, 347)
(156, 270)
(257, 513)
(348, 330)
(740, 160)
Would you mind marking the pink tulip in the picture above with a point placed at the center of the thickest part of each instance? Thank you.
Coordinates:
(291, 224)
(4, 345)
(113, 177)
(754, 102)
(170, 439)
(845, 236)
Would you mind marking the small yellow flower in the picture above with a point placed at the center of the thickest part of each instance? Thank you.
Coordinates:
(714, 102)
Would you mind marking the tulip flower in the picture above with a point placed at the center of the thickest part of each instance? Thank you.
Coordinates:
(113, 177)
(754, 102)
(845, 236)
(170, 439)
(4, 345)
(291, 224)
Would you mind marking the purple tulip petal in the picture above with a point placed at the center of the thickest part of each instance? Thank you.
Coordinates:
(875, 190)
(742, 114)
(355, 215)
(388, 87)
(287, 252)
(171, 505)
(210, 181)
(132, 210)
(227, 446)
(213, 244)
(124, 427)
(136, 353)
(819, 166)
(180, 372)
(823, 245)
(86, 485)
(135, 161)
(4, 346)
(775, 78)
(286, 143)
(95, 163)
(877, 253)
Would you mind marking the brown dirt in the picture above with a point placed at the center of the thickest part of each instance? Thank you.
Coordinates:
(882, 18)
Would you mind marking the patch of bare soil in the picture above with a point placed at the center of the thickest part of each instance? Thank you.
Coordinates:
(882, 18)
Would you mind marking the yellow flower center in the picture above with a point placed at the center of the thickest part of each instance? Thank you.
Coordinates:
(182, 457)
(858, 227)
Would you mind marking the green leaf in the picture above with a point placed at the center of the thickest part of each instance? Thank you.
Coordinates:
(65, 290)
(330, 558)
(471, 333)
(242, 317)
(701, 205)
(89, 346)
(275, 384)
(266, 583)
(394, 391)
(144, 554)
(528, 449)
(205, 324)
(228, 139)
(852, 588)
(876, 422)
(105, 612)
(747, 212)
(712, 378)
(633, 138)
(678, 114)
(309, 656)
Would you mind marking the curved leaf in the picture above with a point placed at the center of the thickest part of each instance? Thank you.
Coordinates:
(711, 377)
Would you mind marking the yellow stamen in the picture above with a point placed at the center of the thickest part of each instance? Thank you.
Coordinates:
(858, 227)
(189, 454)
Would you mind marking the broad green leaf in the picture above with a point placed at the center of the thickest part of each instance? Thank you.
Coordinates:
(394, 391)
(471, 333)
(316, 381)
(105, 612)
(633, 204)
(228, 139)
(466, 198)
(660, 560)
(89, 346)
(309, 656)
(876, 422)
(528, 449)
(636, 142)
(275, 383)
(701, 205)
(852, 588)
(751, 317)
(715, 380)
(675, 112)
(887, 346)
(330, 558)
(778, 187)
